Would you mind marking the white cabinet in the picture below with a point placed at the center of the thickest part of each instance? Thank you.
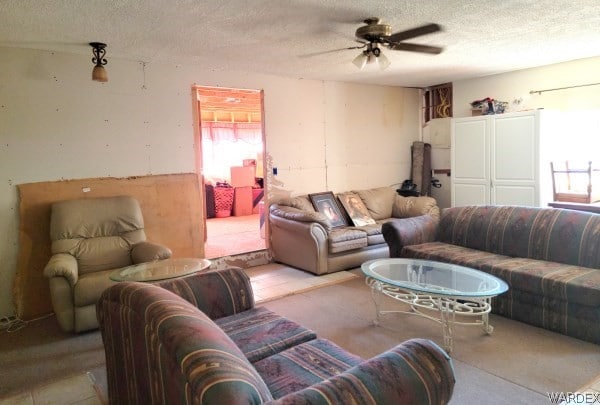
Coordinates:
(500, 160)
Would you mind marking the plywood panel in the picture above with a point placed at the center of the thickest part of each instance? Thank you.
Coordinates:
(172, 209)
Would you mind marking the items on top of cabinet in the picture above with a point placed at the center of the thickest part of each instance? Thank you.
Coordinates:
(488, 106)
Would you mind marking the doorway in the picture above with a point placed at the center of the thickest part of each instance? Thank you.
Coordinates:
(231, 154)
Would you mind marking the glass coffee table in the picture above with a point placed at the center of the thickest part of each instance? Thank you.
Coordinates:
(443, 292)
(160, 269)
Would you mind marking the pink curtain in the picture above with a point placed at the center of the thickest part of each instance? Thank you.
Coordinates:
(219, 132)
(226, 144)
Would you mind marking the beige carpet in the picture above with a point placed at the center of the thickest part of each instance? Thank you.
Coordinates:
(517, 364)
(79, 389)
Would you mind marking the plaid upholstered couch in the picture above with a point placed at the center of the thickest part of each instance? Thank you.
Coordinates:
(549, 257)
(201, 340)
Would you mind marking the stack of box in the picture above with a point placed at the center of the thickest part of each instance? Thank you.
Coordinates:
(242, 180)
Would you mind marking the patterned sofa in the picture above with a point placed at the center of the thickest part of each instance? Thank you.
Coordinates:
(201, 340)
(304, 238)
(549, 257)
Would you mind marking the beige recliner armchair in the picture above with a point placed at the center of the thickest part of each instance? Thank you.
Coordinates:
(90, 239)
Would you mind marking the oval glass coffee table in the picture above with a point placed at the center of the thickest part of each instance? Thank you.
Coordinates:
(160, 269)
(443, 292)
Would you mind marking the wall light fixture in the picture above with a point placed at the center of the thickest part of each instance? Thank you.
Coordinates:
(99, 73)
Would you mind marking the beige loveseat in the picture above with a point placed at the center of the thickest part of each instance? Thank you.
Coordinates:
(304, 238)
(91, 238)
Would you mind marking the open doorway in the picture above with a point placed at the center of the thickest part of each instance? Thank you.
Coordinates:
(232, 166)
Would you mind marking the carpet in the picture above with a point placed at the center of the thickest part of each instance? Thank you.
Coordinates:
(76, 389)
(517, 364)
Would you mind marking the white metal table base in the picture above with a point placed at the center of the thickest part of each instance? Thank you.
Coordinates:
(446, 307)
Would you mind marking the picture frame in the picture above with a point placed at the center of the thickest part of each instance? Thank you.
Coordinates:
(326, 204)
(356, 209)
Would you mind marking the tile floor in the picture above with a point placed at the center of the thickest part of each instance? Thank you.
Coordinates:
(274, 280)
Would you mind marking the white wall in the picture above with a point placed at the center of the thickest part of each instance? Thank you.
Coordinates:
(515, 85)
(56, 123)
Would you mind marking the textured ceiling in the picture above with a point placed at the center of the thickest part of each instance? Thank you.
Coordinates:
(293, 37)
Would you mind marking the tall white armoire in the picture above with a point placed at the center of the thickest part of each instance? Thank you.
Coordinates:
(502, 159)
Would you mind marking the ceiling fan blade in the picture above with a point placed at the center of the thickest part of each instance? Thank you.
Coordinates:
(415, 32)
(406, 46)
(308, 55)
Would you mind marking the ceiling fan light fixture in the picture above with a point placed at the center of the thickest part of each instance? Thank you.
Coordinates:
(383, 61)
(361, 60)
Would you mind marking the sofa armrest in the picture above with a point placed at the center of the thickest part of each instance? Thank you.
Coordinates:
(62, 265)
(160, 349)
(409, 231)
(405, 207)
(295, 214)
(217, 293)
(414, 372)
(147, 252)
(300, 244)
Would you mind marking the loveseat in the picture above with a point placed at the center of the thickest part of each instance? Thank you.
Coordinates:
(550, 258)
(201, 340)
(304, 238)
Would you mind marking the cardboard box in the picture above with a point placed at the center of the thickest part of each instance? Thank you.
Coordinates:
(242, 176)
(242, 201)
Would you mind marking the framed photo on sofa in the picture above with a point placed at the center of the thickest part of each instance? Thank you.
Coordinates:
(356, 209)
(326, 204)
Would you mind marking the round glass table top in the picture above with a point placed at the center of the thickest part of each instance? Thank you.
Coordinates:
(436, 278)
(160, 269)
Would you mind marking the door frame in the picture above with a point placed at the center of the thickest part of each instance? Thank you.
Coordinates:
(197, 117)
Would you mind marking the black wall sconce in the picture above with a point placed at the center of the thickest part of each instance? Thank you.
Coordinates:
(99, 73)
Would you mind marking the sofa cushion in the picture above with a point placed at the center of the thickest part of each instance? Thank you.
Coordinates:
(374, 235)
(406, 207)
(379, 201)
(304, 365)
(574, 284)
(301, 202)
(295, 214)
(343, 239)
(565, 236)
(260, 333)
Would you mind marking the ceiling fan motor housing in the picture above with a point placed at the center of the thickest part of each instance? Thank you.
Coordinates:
(373, 31)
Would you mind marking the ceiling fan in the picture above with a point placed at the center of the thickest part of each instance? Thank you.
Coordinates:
(375, 35)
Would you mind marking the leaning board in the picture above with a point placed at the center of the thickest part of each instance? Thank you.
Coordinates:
(172, 209)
